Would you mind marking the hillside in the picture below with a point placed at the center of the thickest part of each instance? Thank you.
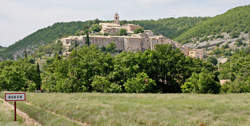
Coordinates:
(1, 48)
(233, 22)
(170, 27)
(43, 37)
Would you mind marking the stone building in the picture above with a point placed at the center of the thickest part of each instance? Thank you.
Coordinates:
(196, 53)
(114, 27)
(133, 42)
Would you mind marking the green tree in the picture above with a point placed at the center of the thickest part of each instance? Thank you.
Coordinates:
(203, 82)
(138, 30)
(96, 28)
(123, 32)
(87, 37)
(212, 60)
(140, 84)
(111, 48)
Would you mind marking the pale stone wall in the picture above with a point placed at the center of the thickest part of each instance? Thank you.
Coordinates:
(123, 43)
(138, 42)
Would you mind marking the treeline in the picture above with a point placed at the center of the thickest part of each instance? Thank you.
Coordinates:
(89, 69)
(232, 22)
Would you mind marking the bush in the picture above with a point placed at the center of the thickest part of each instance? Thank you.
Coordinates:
(123, 32)
(201, 83)
(236, 86)
(212, 60)
(138, 30)
(115, 88)
(140, 84)
(100, 84)
(96, 28)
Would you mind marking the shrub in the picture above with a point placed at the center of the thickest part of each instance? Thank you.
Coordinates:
(96, 28)
(100, 84)
(236, 86)
(115, 88)
(203, 82)
(140, 84)
(138, 30)
(123, 32)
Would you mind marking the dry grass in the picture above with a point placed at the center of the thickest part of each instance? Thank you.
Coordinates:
(145, 109)
(7, 116)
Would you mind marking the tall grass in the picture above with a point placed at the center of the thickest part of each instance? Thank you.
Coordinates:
(7, 117)
(138, 109)
(147, 109)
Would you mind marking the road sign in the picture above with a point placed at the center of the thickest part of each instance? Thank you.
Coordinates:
(15, 97)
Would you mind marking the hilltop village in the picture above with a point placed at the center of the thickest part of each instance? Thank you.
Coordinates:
(131, 42)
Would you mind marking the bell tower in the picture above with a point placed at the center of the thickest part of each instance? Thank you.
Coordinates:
(116, 18)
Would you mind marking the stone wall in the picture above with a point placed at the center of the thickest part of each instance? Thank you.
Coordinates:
(123, 43)
(139, 42)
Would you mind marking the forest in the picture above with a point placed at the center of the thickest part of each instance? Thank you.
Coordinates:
(93, 69)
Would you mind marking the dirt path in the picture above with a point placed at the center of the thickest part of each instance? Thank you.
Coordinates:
(28, 121)
(75, 121)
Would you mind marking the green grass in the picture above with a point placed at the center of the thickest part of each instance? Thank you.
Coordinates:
(7, 116)
(142, 109)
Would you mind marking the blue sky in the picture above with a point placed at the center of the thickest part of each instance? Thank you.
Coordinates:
(19, 18)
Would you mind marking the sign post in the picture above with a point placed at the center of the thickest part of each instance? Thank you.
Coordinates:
(15, 97)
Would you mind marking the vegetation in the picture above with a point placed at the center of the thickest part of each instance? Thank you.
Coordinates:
(204, 82)
(170, 27)
(45, 36)
(237, 70)
(123, 32)
(7, 117)
(22, 75)
(2, 48)
(139, 109)
(88, 69)
(95, 28)
(139, 30)
(233, 22)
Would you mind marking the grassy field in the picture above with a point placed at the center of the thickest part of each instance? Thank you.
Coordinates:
(6, 117)
(139, 109)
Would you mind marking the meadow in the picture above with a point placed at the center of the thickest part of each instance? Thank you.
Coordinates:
(99, 109)
(6, 116)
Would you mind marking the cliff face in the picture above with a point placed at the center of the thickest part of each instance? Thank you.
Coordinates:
(132, 43)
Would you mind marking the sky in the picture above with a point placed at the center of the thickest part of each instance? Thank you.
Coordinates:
(19, 18)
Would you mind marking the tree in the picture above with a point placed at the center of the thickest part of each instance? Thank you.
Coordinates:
(212, 60)
(138, 30)
(140, 84)
(87, 37)
(96, 28)
(111, 48)
(38, 80)
(203, 82)
(123, 32)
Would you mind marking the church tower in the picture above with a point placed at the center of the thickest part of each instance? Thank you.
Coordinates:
(116, 18)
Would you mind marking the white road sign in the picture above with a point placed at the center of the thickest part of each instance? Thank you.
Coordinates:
(15, 97)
